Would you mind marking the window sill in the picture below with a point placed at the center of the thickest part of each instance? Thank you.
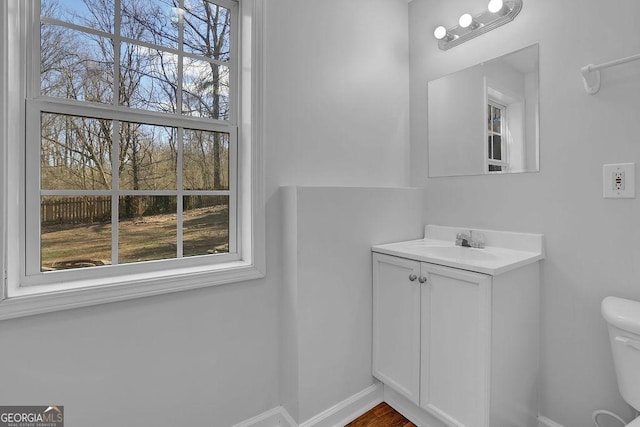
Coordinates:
(135, 286)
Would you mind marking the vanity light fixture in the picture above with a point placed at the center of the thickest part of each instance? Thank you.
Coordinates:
(441, 33)
(467, 21)
(498, 13)
(498, 7)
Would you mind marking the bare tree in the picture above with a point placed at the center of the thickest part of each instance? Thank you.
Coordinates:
(205, 84)
(76, 151)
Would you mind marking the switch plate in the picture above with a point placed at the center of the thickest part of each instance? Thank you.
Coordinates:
(618, 181)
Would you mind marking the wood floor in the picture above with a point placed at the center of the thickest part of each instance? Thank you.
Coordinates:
(382, 415)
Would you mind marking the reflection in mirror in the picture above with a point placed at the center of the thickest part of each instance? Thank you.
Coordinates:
(484, 119)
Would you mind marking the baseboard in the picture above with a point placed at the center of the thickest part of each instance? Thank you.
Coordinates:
(336, 416)
(276, 417)
(354, 406)
(423, 419)
(349, 409)
(410, 411)
(546, 422)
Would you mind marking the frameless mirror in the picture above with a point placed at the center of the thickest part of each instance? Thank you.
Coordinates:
(484, 119)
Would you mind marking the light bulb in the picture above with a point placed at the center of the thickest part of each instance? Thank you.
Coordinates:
(465, 20)
(495, 6)
(440, 32)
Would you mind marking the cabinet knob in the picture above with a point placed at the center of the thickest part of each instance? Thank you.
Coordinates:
(422, 279)
(413, 277)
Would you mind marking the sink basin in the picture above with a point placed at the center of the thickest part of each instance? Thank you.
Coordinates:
(428, 244)
(455, 252)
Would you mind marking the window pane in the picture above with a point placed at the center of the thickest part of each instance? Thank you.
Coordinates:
(97, 14)
(148, 78)
(205, 91)
(206, 160)
(75, 65)
(75, 153)
(147, 228)
(206, 225)
(497, 120)
(134, 162)
(148, 157)
(495, 168)
(75, 232)
(152, 21)
(497, 147)
(489, 138)
(207, 29)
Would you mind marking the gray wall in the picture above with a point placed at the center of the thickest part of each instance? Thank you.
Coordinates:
(337, 92)
(327, 296)
(591, 242)
(337, 115)
(170, 360)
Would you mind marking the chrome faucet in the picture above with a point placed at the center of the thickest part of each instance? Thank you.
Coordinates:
(468, 240)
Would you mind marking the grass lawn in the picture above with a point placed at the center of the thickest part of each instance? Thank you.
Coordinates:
(205, 230)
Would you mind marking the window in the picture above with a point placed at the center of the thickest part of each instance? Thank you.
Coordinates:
(136, 172)
(505, 129)
(496, 137)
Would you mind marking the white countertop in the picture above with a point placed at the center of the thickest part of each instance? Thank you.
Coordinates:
(511, 250)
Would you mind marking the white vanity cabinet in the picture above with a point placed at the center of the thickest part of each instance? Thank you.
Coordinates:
(396, 324)
(460, 345)
(455, 337)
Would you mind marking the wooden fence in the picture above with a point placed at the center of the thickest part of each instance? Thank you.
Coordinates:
(75, 210)
(90, 209)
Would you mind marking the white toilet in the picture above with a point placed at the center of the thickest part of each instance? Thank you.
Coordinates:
(623, 317)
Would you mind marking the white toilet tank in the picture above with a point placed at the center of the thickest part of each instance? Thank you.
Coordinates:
(623, 317)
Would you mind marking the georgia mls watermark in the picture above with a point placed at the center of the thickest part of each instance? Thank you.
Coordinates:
(32, 416)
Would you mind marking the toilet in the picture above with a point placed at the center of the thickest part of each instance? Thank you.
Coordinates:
(623, 318)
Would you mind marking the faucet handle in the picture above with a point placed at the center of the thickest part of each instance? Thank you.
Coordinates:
(477, 240)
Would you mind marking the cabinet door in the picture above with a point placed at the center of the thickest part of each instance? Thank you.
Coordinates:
(455, 340)
(396, 324)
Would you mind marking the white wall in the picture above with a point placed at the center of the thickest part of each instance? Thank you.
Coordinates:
(531, 109)
(203, 357)
(326, 322)
(591, 242)
(336, 114)
(457, 147)
(337, 92)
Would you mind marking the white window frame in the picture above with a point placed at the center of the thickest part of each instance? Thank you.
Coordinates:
(136, 280)
(504, 163)
(514, 107)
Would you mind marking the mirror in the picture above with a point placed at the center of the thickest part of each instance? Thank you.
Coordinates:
(485, 119)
